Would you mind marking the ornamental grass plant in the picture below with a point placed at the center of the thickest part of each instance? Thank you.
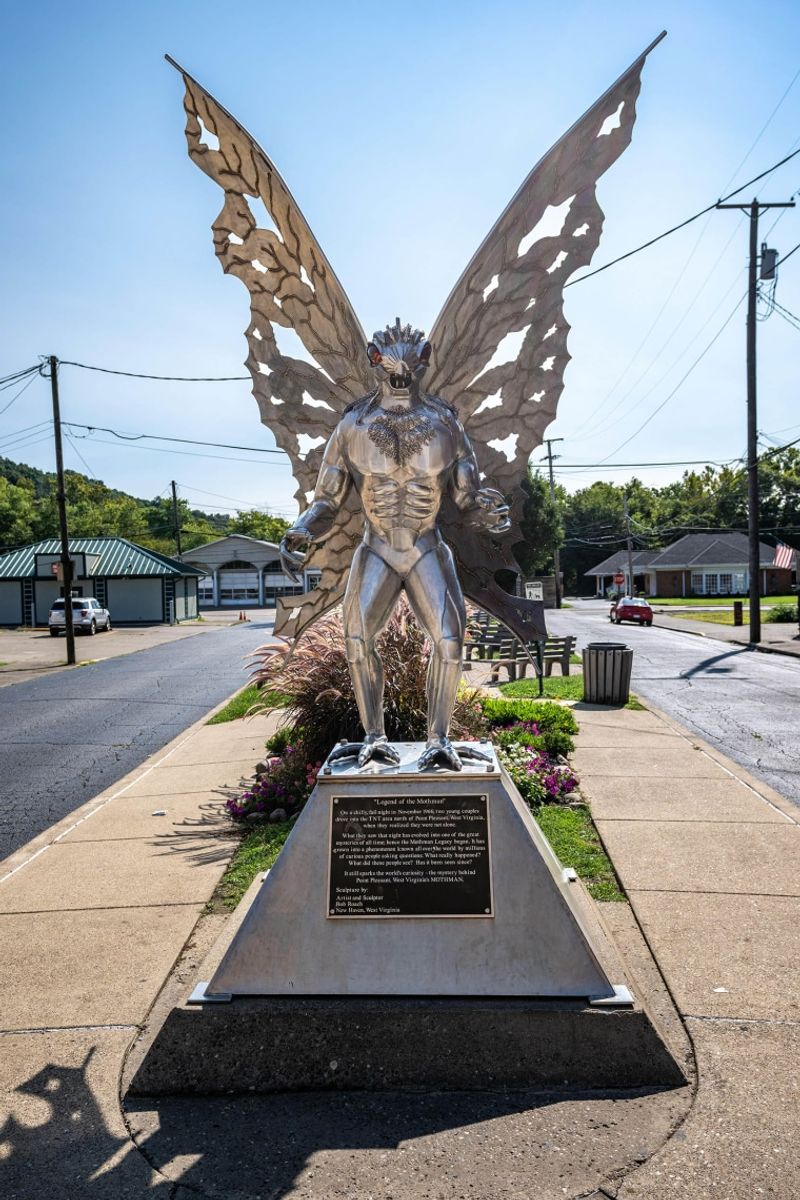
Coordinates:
(311, 682)
(313, 679)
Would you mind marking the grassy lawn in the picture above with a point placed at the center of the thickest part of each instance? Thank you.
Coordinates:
(556, 687)
(708, 601)
(723, 616)
(569, 830)
(257, 852)
(573, 836)
(240, 704)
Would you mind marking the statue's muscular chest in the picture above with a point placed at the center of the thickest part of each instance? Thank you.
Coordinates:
(405, 445)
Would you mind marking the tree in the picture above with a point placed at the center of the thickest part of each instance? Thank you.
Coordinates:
(259, 524)
(17, 513)
(541, 526)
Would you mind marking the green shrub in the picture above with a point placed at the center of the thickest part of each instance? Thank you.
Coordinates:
(548, 741)
(280, 739)
(783, 613)
(549, 717)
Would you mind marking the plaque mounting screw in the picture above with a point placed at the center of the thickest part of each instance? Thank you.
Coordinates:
(326, 771)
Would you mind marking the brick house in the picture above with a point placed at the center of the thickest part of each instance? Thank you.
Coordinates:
(698, 564)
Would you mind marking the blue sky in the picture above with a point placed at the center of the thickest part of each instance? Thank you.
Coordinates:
(107, 249)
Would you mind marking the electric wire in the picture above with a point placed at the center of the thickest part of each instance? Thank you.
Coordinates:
(65, 362)
(17, 395)
(138, 437)
(681, 381)
(682, 224)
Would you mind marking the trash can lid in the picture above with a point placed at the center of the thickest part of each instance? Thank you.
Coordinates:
(607, 646)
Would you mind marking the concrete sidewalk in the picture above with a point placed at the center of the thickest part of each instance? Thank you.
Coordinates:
(710, 860)
(95, 914)
(778, 638)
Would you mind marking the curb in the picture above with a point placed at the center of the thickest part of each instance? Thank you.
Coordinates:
(20, 857)
(758, 646)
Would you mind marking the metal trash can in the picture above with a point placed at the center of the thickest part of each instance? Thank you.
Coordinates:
(607, 673)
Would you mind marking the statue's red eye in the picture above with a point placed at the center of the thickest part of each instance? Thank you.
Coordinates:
(375, 355)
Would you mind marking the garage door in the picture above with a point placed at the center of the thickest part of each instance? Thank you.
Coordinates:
(10, 602)
(135, 600)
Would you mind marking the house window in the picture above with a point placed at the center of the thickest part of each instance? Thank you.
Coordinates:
(725, 585)
(697, 584)
(712, 584)
(738, 583)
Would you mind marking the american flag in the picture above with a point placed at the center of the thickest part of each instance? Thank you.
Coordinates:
(784, 557)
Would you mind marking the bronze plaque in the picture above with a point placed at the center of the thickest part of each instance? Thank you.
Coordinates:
(410, 856)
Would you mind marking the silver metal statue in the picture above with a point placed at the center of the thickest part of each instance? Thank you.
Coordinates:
(403, 451)
(428, 471)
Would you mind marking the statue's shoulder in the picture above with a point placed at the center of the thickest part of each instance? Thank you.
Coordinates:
(357, 409)
(446, 411)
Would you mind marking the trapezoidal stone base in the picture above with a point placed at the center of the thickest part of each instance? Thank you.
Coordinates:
(417, 931)
(275, 1044)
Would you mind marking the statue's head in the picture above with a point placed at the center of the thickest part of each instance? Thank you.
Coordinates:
(400, 355)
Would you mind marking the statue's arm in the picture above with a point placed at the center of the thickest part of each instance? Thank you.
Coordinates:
(333, 484)
(483, 507)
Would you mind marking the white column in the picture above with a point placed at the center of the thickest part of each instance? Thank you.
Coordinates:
(215, 588)
(260, 587)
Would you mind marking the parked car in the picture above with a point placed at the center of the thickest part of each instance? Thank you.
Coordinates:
(631, 608)
(87, 616)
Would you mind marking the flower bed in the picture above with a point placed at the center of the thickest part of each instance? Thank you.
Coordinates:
(531, 738)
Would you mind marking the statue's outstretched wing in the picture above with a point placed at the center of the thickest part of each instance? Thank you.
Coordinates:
(500, 342)
(291, 284)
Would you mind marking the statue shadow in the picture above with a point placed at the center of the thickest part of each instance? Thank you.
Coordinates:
(55, 1141)
(60, 1139)
(365, 1143)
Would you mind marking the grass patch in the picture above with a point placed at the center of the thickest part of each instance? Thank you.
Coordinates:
(723, 616)
(256, 853)
(556, 687)
(240, 704)
(709, 601)
(574, 839)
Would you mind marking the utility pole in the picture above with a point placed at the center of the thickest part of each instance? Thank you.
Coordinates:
(61, 500)
(556, 548)
(175, 519)
(753, 210)
(628, 542)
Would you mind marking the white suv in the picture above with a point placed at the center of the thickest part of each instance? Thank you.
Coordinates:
(87, 616)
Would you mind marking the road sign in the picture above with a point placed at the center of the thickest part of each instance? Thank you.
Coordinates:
(619, 577)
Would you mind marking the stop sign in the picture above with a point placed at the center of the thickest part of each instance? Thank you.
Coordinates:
(619, 577)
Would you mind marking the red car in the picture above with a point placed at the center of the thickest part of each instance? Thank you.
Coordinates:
(630, 608)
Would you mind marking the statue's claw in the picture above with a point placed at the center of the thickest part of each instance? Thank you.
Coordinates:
(472, 752)
(345, 750)
(440, 752)
(371, 748)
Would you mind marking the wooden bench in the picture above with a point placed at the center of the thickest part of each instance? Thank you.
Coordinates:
(496, 646)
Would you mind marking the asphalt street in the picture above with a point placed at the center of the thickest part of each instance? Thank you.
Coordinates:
(67, 736)
(742, 702)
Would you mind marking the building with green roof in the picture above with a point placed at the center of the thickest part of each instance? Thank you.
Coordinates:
(137, 586)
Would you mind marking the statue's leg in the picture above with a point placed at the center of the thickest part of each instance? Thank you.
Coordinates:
(372, 592)
(435, 596)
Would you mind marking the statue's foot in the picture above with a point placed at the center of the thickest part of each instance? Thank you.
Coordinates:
(373, 747)
(440, 752)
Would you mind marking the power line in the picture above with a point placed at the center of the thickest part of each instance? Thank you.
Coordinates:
(183, 453)
(17, 395)
(7, 381)
(157, 437)
(683, 224)
(682, 380)
(65, 362)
